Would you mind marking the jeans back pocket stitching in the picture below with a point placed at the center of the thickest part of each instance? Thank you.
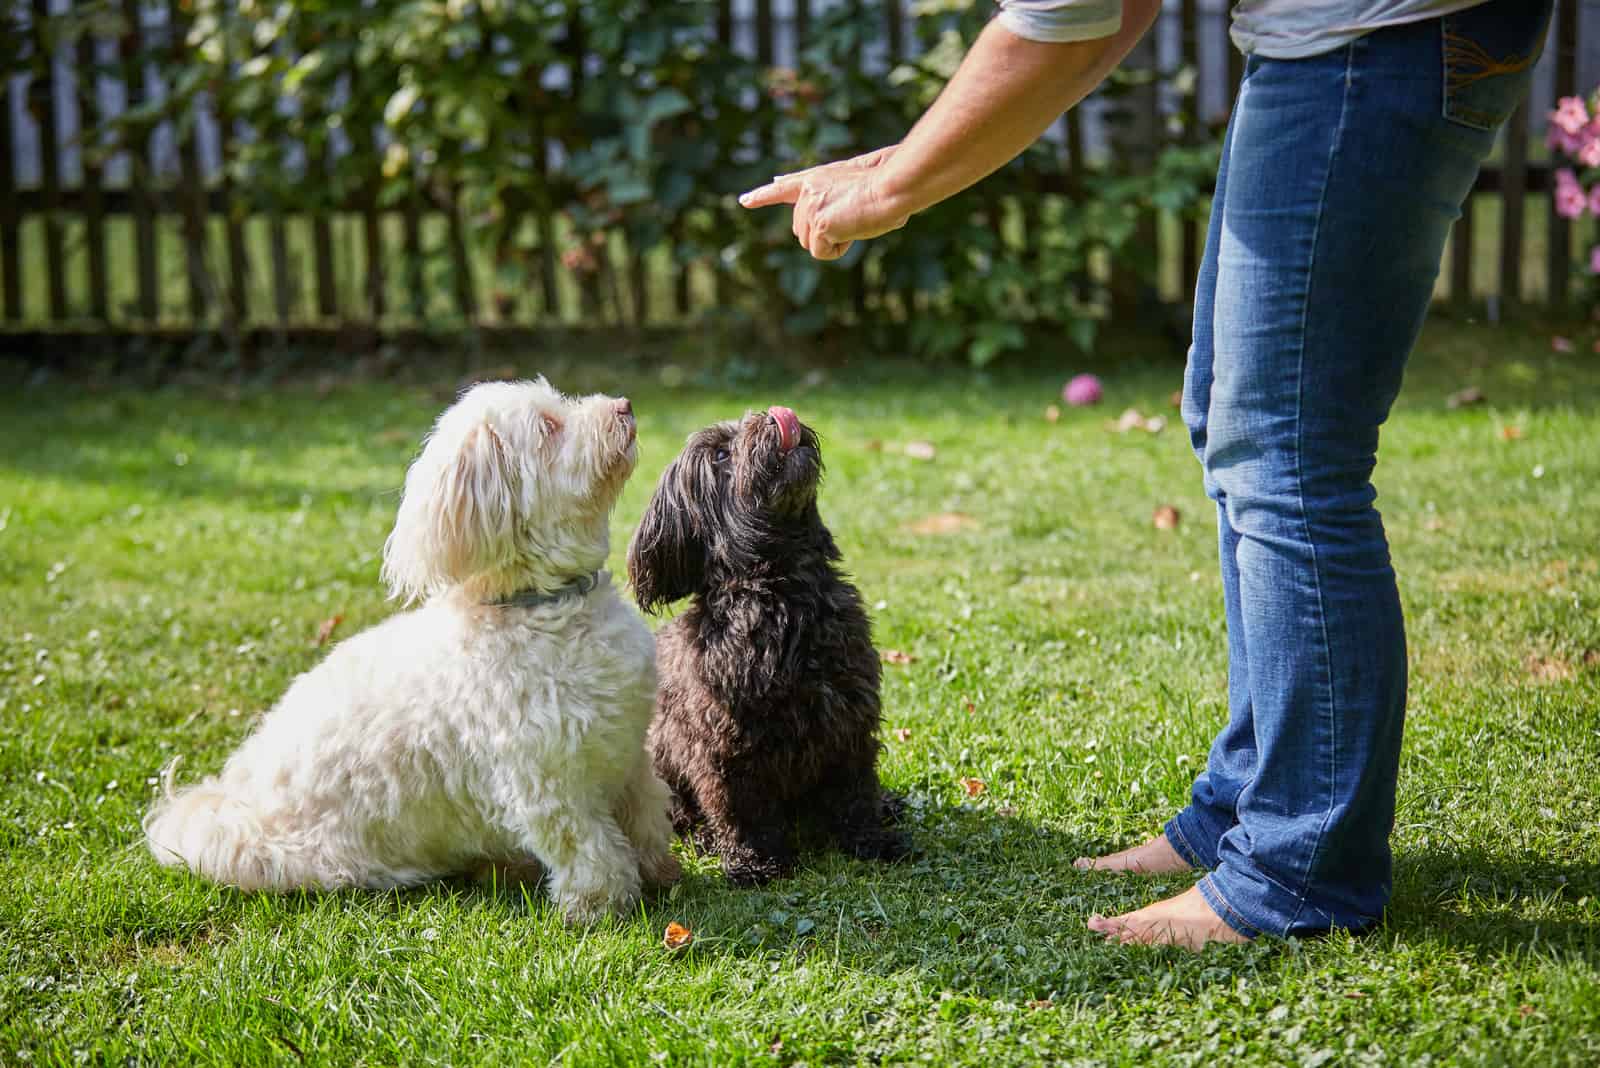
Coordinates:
(1458, 50)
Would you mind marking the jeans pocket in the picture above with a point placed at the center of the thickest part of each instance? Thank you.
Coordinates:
(1489, 53)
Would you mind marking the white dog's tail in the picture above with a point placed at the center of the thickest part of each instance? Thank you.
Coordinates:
(218, 835)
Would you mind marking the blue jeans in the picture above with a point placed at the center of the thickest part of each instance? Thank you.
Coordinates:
(1341, 175)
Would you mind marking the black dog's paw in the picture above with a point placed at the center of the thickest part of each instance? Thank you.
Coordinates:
(755, 871)
(891, 807)
(879, 845)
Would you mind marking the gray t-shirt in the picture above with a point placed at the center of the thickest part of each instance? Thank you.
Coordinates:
(1277, 29)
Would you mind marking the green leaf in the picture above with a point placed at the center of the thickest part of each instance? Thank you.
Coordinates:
(400, 104)
(628, 189)
(663, 104)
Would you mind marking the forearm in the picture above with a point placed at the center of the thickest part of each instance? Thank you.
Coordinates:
(1006, 93)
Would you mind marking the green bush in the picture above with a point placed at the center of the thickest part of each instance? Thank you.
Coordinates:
(482, 108)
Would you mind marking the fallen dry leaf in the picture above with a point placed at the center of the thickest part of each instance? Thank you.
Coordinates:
(873, 445)
(1006, 811)
(1433, 522)
(1548, 668)
(920, 450)
(1166, 518)
(896, 657)
(1133, 419)
(942, 523)
(902, 734)
(974, 787)
(1560, 344)
(1052, 414)
(1510, 432)
(325, 631)
(1591, 658)
(677, 937)
(1463, 398)
(1525, 1010)
(1176, 400)
(1127, 421)
(1041, 1003)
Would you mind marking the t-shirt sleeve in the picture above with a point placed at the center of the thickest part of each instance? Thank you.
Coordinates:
(1061, 20)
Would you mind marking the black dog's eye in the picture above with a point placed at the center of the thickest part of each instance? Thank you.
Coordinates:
(722, 455)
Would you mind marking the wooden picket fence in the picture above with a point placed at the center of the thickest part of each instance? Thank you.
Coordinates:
(83, 250)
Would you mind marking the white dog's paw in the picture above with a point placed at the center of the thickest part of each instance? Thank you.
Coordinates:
(659, 869)
(596, 905)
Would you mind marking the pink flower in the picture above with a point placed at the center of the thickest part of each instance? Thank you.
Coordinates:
(1559, 140)
(1594, 201)
(1570, 114)
(1570, 198)
(1589, 154)
(1594, 264)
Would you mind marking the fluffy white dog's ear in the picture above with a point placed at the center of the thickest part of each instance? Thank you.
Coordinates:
(456, 519)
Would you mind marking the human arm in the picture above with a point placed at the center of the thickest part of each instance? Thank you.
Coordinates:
(1006, 93)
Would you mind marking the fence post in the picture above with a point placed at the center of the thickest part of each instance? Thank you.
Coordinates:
(1513, 195)
(1559, 248)
(192, 193)
(465, 286)
(1189, 254)
(1137, 142)
(322, 234)
(416, 286)
(43, 90)
(94, 221)
(10, 218)
(131, 52)
(1461, 257)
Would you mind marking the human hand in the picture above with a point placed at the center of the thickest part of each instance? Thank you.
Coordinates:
(835, 204)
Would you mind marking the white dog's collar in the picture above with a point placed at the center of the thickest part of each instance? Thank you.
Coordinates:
(578, 587)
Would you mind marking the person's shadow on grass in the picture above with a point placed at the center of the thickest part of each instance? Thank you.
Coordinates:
(1494, 904)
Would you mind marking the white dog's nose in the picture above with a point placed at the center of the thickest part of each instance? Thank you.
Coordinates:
(625, 407)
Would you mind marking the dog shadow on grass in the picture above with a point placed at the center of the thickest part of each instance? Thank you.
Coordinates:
(988, 905)
(991, 906)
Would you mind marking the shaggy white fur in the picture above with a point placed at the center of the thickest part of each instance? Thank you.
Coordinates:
(464, 733)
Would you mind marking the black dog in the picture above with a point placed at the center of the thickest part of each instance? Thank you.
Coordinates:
(767, 712)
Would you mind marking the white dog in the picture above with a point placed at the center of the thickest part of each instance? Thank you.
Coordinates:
(501, 723)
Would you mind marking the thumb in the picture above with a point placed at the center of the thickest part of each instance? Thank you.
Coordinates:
(772, 193)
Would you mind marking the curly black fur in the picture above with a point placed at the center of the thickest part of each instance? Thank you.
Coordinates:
(767, 714)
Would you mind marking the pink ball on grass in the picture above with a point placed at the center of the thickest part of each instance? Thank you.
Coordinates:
(1082, 390)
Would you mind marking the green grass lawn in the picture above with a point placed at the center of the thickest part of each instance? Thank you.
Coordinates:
(167, 556)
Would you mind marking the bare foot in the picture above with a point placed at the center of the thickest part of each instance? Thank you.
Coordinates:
(1155, 857)
(1184, 920)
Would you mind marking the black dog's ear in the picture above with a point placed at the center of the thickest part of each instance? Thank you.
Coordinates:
(667, 556)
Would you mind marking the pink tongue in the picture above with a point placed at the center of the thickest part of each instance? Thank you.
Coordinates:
(788, 426)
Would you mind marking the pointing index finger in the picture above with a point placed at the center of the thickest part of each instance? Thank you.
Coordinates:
(775, 192)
